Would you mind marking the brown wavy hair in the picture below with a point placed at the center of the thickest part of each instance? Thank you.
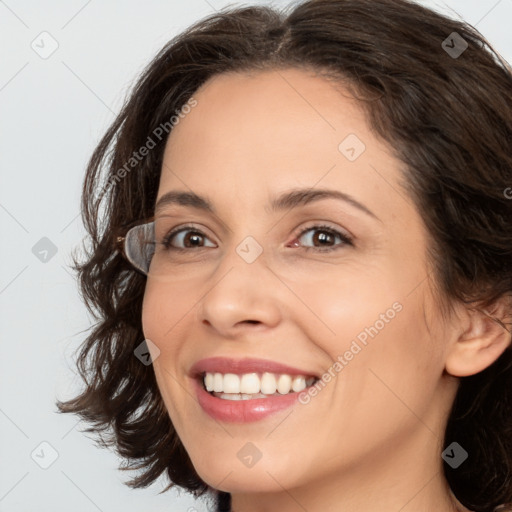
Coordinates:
(448, 118)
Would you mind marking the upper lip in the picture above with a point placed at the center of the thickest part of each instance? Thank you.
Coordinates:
(241, 366)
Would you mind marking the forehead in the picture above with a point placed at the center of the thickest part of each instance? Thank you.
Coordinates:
(285, 109)
(269, 130)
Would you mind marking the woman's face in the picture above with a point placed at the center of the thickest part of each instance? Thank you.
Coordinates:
(249, 285)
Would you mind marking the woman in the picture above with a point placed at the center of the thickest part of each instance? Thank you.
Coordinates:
(306, 229)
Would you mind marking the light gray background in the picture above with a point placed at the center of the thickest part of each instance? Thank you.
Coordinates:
(52, 114)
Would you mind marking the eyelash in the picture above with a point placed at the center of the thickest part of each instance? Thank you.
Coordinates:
(346, 240)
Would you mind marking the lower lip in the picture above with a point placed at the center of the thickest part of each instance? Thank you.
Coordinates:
(242, 411)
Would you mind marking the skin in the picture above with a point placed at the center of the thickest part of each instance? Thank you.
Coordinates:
(374, 434)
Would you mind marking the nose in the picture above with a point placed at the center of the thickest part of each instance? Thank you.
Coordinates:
(243, 296)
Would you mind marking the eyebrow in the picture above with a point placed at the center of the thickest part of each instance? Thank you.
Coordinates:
(288, 200)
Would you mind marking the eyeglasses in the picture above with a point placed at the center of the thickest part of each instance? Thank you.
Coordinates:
(138, 245)
(144, 246)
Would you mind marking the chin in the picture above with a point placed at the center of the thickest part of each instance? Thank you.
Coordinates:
(244, 482)
(231, 475)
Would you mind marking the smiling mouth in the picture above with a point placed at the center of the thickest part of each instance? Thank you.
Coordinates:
(229, 386)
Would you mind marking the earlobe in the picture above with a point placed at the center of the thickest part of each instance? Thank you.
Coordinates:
(481, 343)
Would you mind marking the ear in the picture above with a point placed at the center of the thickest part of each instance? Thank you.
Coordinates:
(480, 341)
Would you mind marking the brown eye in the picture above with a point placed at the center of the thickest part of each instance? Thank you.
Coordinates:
(324, 238)
(189, 236)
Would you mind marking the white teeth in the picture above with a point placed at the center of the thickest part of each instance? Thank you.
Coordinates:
(284, 384)
(231, 383)
(208, 381)
(250, 384)
(237, 396)
(268, 383)
(298, 383)
(218, 380)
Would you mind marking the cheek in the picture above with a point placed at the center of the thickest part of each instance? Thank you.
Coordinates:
(159, 318)
(165, 309)
(397, 371)
(379, 336)
(378, 306)
(159, 324)
(151, 314)
(354, 308)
